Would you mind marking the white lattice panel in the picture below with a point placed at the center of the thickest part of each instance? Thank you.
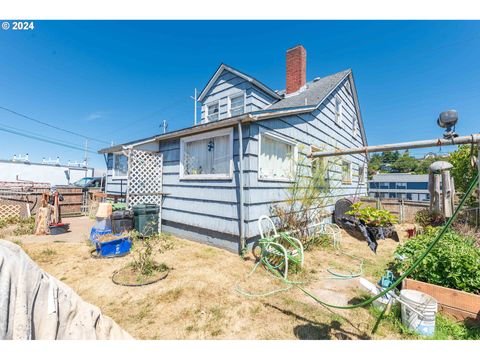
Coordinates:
(145, 179)
(8, 210)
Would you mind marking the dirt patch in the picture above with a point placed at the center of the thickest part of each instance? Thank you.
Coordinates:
(198, 299)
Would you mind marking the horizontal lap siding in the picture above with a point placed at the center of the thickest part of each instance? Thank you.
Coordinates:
(229, 84)
(205, 210)
(319, 129)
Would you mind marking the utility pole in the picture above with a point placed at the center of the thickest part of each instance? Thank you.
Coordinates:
(85, 158)
(194, 107)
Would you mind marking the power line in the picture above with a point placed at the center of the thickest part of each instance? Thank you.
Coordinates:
(54, 142)
(53, 126)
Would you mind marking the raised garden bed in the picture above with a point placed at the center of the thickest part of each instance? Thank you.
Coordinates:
(460, 304)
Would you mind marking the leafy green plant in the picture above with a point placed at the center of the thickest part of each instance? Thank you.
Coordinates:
(454, 262)
(371, 216)
(426, 218)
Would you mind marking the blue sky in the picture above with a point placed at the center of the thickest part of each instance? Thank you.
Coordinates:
(117, 80)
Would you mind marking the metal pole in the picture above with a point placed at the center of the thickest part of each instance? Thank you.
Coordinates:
(240, 176)
(195, 107)
(474, 138)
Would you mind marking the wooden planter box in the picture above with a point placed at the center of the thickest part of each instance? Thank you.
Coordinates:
(459, 304)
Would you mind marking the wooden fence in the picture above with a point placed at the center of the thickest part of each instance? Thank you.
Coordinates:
(25, 201)
(405, 210)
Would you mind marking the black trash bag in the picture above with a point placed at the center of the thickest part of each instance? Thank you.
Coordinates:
(383, 232)
(358, 230)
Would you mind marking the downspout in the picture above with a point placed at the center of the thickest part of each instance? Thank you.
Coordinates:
(240, 168)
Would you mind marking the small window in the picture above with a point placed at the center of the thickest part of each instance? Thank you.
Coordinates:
(338, 110)
(346, 172)
(120, 166)
(237, 105)
(361, 174)
(277, 158)
(319, 163)
(207, 156)
(212, 112)
(384, 185)
(401, 185)
(355, 127)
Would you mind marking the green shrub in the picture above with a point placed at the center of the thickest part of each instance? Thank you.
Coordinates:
(454, 262)
(426, 218)
(371, 216)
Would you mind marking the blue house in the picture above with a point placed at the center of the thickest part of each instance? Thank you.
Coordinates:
(399, 186)
(221, 175)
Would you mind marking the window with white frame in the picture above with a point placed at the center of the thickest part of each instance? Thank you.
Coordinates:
(355, 127)
(237, 105)
(319, 164)
(207, 156)
(212, 111)
(361, 174)
(277, 158)
(338, 110)
(346, 172)
(120, 166)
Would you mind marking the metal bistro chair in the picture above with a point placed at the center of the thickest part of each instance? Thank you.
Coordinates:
(322, 228)
(278, 249)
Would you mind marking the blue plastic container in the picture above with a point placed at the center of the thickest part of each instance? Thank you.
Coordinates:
(96, 233)
(118, 247)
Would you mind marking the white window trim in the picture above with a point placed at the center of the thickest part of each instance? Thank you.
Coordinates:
(206, 110)
(338, 115)
(347, 182)
(281, 139)
(211, 134)
(361, 175)
(238, 94)
(118, 177)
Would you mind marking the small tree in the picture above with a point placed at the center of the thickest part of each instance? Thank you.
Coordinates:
(307, 196)
(463, 171)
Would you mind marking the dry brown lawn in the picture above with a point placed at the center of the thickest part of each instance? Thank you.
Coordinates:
(198, 299)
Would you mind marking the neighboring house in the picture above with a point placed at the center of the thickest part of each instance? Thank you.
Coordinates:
(399, 186)
(55, 174)
(201, 164)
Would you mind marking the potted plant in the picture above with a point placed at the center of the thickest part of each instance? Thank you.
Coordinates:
(379, 223)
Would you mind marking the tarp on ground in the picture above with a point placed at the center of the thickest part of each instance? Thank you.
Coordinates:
(35, 305)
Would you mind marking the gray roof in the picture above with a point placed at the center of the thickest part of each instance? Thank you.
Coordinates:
(314, 93)
(400, 177)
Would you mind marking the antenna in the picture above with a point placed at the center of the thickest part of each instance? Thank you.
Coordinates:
(165, 126)
(194, 107)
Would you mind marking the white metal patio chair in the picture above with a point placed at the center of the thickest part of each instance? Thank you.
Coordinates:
(278, 249)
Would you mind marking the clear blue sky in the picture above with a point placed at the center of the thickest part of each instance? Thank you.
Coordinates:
(117, 80)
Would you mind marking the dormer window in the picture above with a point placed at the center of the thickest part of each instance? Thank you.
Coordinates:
(212, 111)
(237, 105)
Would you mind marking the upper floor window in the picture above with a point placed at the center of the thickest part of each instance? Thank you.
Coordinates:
(207, 156)
(384, 185)
(212, 111)
(277, 158)
(237, 105)
(338, 109)
(120, 166)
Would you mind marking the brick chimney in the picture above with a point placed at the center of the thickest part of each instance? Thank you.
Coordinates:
(296, 68)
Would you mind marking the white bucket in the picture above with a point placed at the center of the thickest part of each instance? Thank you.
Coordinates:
(422, 320)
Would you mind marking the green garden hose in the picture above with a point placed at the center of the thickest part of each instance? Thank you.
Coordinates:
(414, 265)
(274, 270)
